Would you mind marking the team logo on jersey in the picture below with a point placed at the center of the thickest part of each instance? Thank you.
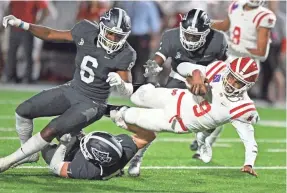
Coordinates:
(131, 65)
(234, 6)
(178, 55)
(216, 78)
(81, 42)
(102, 157)
(270, 21)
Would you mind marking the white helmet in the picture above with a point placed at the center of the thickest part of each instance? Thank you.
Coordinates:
(255, 3)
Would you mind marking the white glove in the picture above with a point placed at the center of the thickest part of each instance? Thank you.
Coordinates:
(114, 79)
(13, 21)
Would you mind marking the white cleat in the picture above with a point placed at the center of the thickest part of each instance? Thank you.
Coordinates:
(135, 166)
(117, 117)
(205, 152)
(4, 165)
(31, 159)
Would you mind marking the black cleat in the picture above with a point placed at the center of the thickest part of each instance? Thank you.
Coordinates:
(194, 146)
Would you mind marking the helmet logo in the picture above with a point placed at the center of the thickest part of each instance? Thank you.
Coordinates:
(106, 16)
(102, 157)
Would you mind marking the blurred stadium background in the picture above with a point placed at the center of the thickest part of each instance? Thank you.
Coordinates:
(168, 166)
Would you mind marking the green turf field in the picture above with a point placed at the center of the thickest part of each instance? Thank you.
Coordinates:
(167, 167)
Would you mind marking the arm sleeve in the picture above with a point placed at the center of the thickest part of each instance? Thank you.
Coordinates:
(164, 47)
(80, 168)
(186, 68)
(267, 20)
(246, 134)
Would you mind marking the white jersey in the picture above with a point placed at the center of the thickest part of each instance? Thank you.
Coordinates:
(244, 25)
(199, 114)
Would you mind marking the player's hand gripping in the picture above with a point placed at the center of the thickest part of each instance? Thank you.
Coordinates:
(197, 83)
(248, 169)
(14, 21)
(114, 79)
(152, 68)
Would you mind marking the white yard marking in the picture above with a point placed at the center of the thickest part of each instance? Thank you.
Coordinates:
(183, 167)
(266, 123)
(6, 129)
(277, 150)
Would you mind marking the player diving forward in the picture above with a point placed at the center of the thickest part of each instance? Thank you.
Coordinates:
(195, 42)
(249, 25)
(103, 59)
(180, 111)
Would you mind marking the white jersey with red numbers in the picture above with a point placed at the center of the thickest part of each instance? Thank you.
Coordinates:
(199, 114)
(244, 25)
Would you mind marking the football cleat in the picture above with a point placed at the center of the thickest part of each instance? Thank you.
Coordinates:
(205, 152)
(135, 166)
(194, 146)
(31, 159)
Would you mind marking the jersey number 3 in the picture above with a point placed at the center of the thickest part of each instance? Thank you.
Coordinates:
(87, 73)
(236, 35)
(201, 109)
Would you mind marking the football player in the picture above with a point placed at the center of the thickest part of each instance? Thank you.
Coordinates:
(193, 41)
(103, 59)
(96, 156)
(223, 100)
(248, 25)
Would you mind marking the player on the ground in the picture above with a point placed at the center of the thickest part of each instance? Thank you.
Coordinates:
(96, 156)
(194, 41)
(103, 59)
(223, 100)
(248, 25)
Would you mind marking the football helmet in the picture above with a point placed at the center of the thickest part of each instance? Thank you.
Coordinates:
(101, 148)
(194, 27)
(255, 3)
(115, 27)
(244, 71)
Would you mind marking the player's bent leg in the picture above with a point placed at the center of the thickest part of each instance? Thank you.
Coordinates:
(214, 135)
(151, 97)
(149, 119)
(143, 137)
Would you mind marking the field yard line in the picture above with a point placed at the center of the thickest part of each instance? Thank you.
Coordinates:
(183, 167)
(277, 150)
(223, 141)
(267, 123)
(3, 129)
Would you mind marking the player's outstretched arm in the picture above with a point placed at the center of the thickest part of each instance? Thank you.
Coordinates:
(246, 134)
(41, 32)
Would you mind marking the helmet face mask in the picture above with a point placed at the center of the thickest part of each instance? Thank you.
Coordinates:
(191, 39)
(115, 27)
(108, 44)
(241, 75)
(194, 28)
(255, 3)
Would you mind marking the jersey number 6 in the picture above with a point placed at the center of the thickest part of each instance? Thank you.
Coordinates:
(201, 109)
(88, 70)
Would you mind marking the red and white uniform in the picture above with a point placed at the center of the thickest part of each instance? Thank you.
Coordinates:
(243, 28)
(179, 111)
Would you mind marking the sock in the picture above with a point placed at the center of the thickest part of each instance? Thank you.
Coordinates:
(35, 144)
(214, 135)
(142, 151)
(24, 128)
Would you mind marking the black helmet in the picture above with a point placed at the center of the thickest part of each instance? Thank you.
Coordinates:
(194, 27)
(117, 23)
(101, 148)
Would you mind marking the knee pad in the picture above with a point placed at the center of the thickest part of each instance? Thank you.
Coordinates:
(24, 110)
(141, 94)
